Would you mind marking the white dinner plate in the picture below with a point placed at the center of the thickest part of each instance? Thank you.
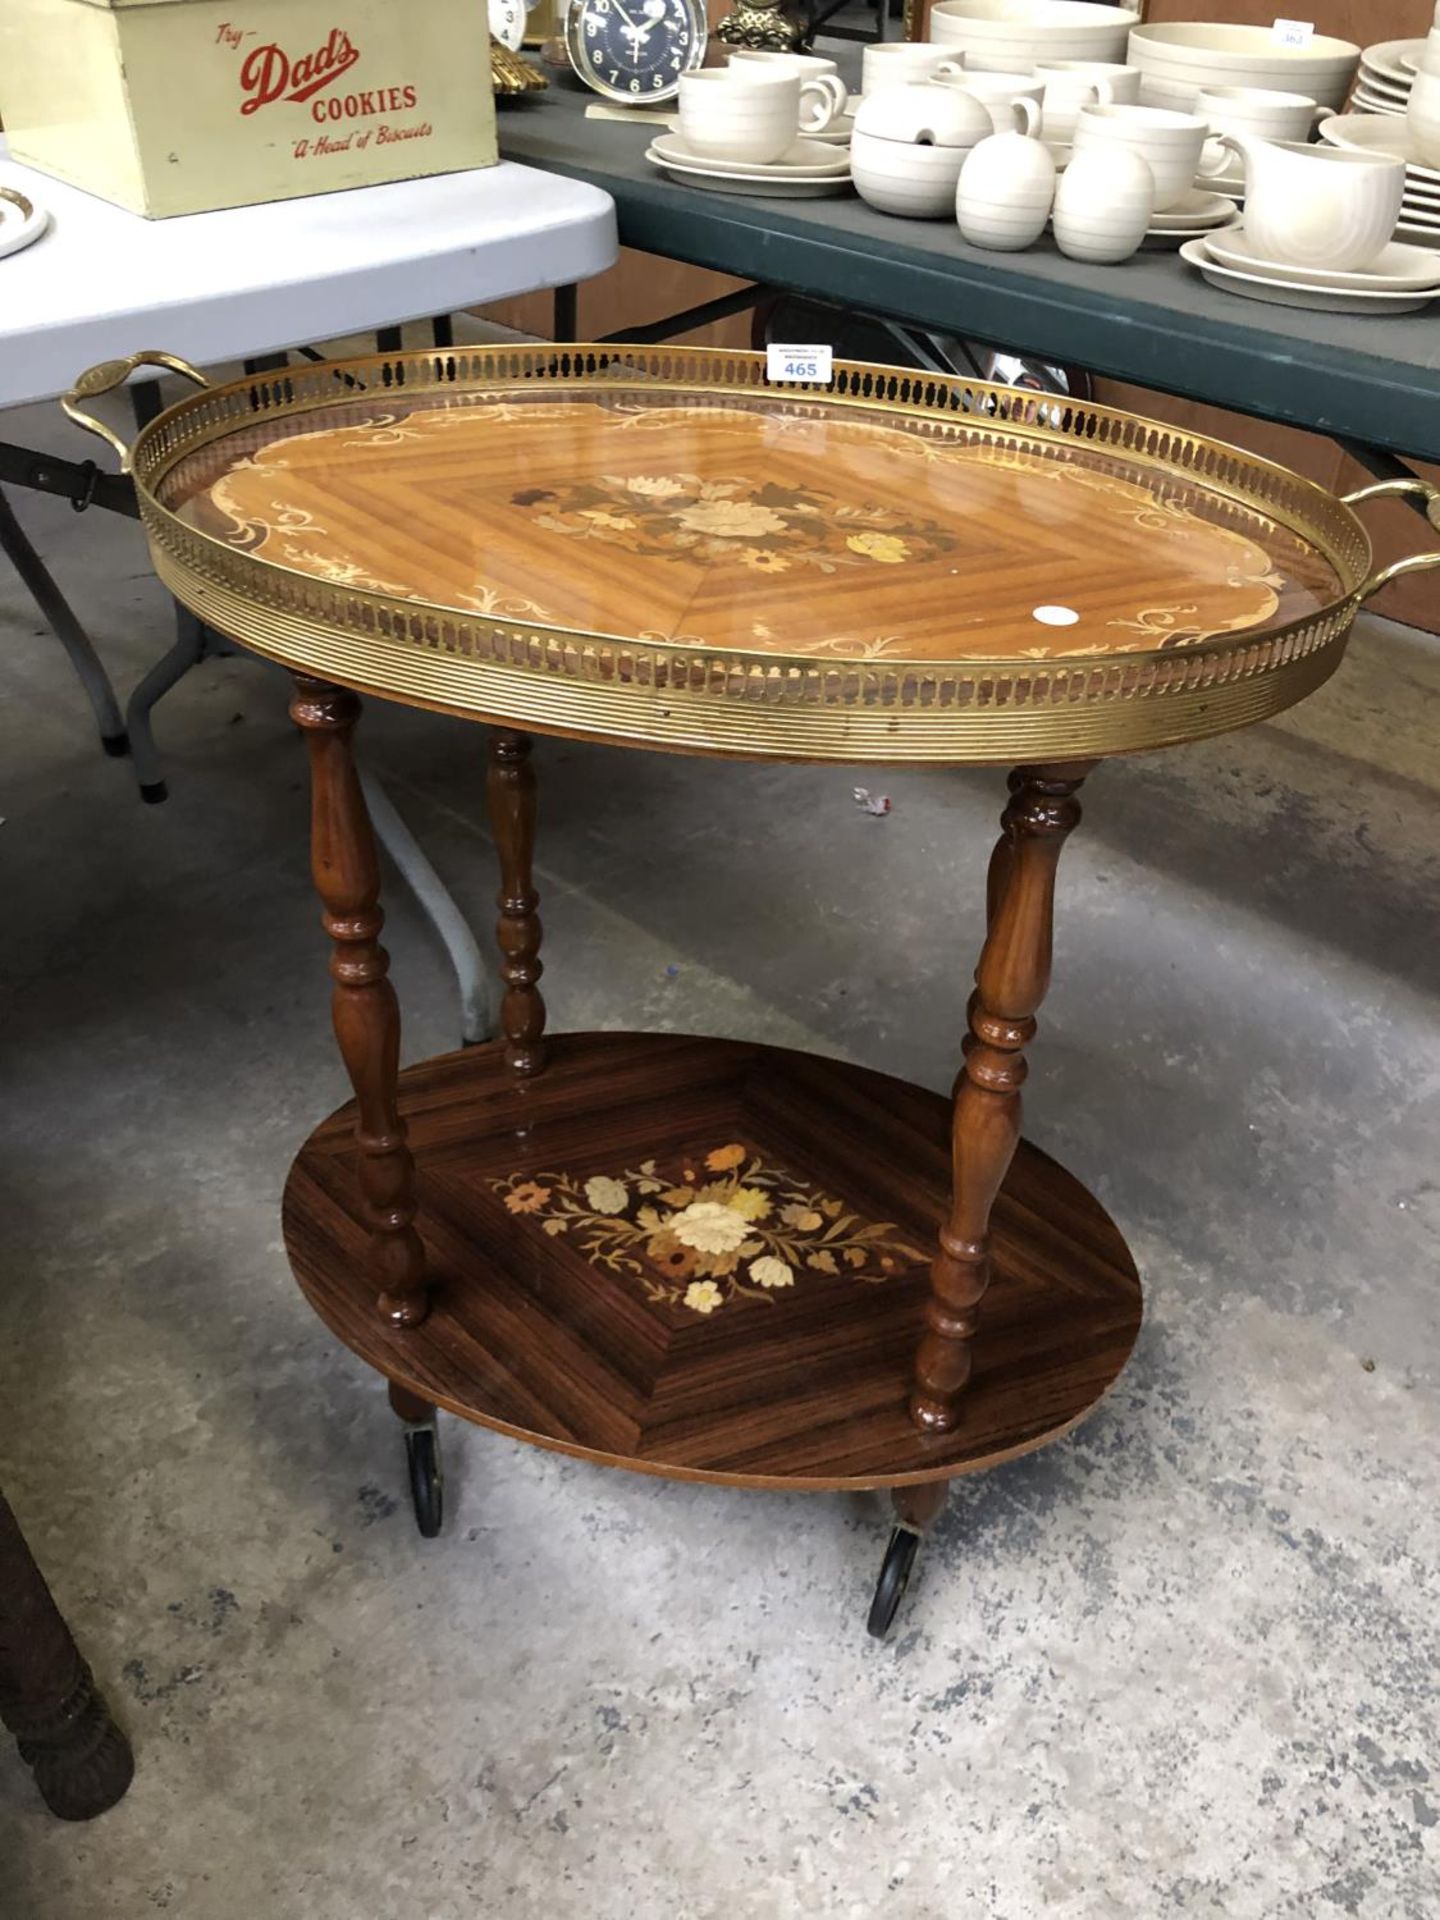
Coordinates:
(777, 187)
(1379, 133)
(1418, 233)
(1397, 269)
(1362, 103)
(806, 160)
(1367, 83)
(1393, 89)
(1384, 58)
(21, 221)
(1294, 293)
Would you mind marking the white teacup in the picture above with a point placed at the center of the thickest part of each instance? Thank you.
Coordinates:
(805, 64)
(754, 111)
(1073, 84)
(1169, 143)
(998, 92)
(1259, 110)
(897, 62)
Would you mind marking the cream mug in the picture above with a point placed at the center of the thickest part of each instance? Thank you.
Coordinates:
(1073, 84)
(1169, 143)
(894, 63)
(805, 64)
(726, 114)
(1317, 206)
(997, 93)
(1259, 110)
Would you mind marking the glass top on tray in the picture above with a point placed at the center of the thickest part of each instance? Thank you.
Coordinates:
(764, 523)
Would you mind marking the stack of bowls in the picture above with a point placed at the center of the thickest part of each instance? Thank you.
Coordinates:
(1178, 58)
(1387, 73)
(1010, 36)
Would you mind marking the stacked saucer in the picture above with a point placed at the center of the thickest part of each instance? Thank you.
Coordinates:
(1387, 73)
(1401, 279)
(1370, 133)
(808, 170)
(1198, 213)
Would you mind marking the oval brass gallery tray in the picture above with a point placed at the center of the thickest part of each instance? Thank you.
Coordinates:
(655, 545)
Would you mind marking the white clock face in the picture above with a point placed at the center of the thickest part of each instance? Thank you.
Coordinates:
(636, 50)
(507, 22)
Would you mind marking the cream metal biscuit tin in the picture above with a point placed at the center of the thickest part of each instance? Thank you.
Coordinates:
(179, 106)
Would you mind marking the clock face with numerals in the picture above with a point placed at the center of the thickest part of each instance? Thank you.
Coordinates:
(635, 50)
(507, 22)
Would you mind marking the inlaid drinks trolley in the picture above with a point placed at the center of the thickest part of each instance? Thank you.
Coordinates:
(688, 1256)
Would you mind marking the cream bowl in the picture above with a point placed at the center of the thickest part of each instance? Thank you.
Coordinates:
(1010, 36)
(904, 177)
(1178, 58)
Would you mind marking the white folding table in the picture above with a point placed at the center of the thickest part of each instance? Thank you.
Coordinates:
(242, 284)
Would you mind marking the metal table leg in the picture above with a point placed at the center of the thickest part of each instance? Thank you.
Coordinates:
(15, 544)
(188, 651)
(472, 976)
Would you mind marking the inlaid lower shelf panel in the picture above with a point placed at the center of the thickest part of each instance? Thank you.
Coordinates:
(709, 1260)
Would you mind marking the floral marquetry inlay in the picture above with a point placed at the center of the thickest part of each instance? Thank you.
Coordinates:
(702, 1232)
(732, 521)
(751, 525)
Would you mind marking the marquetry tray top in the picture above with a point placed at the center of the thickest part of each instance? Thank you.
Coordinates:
(655, 545)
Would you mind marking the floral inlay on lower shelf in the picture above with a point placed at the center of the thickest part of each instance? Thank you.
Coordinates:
(703, 1232)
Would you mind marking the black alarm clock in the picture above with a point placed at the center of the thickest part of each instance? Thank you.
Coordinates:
(635, 51)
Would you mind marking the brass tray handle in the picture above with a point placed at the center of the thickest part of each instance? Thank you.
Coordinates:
(110, 374)
(1415, 562)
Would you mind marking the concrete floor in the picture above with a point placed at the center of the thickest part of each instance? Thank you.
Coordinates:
(1182, 1664)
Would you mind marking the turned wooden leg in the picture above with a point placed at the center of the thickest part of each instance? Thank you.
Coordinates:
(366, 1013)
(409, 1406)
(920, 1506)
(510, 789)
(1010, 983)
(81, 1761)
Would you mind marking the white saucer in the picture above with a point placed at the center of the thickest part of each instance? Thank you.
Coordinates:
(1418, 233)
(20, 225)
(806, 160)
(1397, 269)
(1379, 133)
(1294, 293)
(1200, 203)
(1161, 239)
(775, 186)
(1385, 56)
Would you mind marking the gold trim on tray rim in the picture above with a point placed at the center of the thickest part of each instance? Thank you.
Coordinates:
(682, 696)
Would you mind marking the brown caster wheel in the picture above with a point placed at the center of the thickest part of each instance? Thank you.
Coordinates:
(427, 1481)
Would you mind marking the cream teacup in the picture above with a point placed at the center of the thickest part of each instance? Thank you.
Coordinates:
(1169, 143)
(997, 93)
(1073, 84)
(805, 64)
(1261, 111)
(754, 111)
(895, 62)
